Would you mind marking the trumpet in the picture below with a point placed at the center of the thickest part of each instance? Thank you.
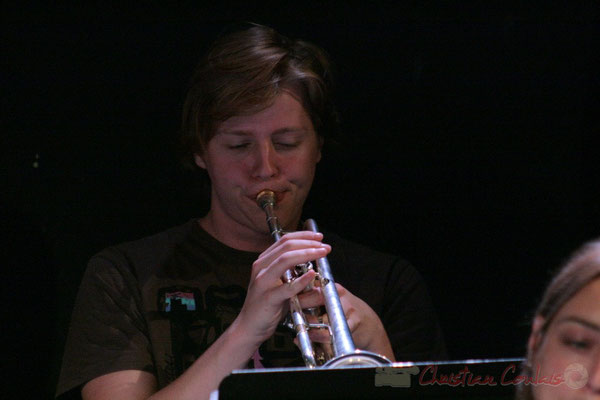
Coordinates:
(342, 350)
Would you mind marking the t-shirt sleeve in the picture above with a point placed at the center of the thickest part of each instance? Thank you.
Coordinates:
(409, 316)
(108, 332)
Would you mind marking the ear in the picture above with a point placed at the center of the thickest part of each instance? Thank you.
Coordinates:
(535, 338)
(199, 160)
(321, 141)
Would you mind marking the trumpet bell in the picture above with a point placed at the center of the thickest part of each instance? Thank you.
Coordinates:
(358, 357)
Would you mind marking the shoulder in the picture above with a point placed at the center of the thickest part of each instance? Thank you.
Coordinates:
(353, 253)
(142, 256)
(367, 269)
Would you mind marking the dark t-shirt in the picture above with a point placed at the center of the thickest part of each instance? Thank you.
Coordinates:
(158, 303)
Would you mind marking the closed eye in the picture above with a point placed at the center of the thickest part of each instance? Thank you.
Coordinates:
(577, 344)
(238, 146)
(286, 146)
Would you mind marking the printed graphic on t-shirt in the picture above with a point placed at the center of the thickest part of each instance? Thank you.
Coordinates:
(197, 319)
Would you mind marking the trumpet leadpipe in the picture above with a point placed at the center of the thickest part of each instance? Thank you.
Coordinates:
(266, 200)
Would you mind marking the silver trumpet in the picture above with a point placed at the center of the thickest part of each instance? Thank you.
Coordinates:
(342, 350)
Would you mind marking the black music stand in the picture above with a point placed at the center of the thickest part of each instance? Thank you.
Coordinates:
(467, 379)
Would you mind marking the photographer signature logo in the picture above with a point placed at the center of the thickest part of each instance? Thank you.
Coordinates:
(574, 376)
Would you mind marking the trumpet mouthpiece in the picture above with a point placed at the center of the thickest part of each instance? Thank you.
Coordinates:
(265, 197)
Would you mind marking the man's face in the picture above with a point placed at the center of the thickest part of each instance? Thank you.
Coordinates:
(276, 148)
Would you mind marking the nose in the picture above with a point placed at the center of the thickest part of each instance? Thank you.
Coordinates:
(594, 375)
(265, 162)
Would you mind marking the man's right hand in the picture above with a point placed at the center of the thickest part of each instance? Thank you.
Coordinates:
(267, 299)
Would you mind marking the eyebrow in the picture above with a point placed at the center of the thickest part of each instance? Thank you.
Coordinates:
(580, 321)
(242, 132)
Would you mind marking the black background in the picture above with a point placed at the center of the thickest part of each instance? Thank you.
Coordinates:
(468, 149)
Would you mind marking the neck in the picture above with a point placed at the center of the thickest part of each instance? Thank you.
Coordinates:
(240, 239)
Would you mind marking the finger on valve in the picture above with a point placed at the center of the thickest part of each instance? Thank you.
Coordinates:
(311, 298)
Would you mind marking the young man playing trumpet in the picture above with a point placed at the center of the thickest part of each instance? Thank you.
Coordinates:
(169, 316)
